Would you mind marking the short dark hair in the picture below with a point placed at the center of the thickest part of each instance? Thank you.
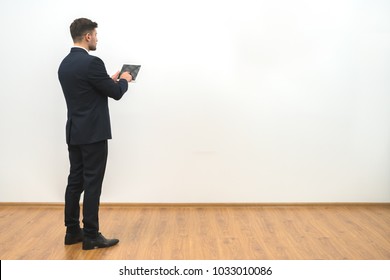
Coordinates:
(81, 26)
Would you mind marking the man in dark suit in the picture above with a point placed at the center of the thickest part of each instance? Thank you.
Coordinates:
(86, 87)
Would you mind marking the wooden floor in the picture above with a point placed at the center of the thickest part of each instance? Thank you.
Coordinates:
(331, 232)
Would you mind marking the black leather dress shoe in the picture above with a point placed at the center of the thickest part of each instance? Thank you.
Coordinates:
(73, 238)
(99, 242)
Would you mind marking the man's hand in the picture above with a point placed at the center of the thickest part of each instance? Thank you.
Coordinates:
(115, 76)
(126, 76)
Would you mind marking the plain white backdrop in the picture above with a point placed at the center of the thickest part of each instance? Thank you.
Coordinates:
(249, 101)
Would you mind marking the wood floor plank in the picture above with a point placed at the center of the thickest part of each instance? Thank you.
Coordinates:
(353, 232)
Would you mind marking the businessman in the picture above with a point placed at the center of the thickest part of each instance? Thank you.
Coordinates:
(86, 87)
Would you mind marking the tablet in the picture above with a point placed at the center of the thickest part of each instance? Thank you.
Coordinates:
(132, 69)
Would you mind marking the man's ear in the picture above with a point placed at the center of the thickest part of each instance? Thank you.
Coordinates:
(87, 37)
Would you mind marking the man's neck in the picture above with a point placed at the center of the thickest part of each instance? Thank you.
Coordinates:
(77, 45)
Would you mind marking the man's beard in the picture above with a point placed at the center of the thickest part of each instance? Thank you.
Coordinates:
(92, 48)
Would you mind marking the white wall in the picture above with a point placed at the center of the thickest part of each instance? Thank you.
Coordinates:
(248, 101)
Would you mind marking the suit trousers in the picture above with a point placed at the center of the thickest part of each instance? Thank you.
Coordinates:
(87, 168)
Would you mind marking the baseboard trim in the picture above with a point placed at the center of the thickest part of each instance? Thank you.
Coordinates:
(201, 205)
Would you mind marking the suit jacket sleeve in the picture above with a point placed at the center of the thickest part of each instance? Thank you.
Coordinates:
(102, 82)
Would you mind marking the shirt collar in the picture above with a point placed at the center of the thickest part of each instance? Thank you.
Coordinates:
(81, 48)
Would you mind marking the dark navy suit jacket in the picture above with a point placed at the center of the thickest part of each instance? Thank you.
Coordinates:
(87, 86)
